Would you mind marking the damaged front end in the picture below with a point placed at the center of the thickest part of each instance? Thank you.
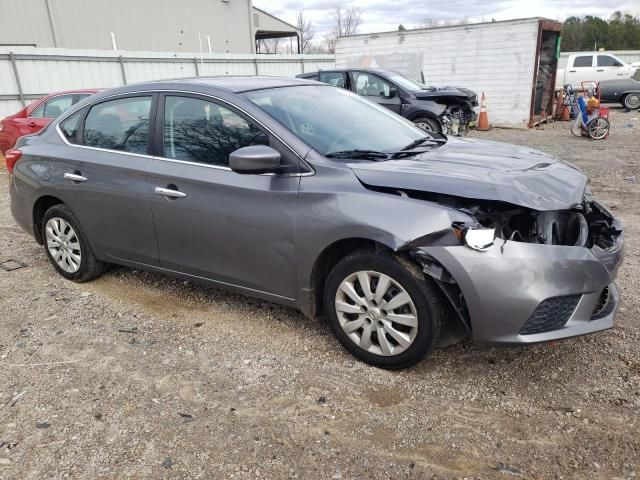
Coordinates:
(457, 119)
(513, 274)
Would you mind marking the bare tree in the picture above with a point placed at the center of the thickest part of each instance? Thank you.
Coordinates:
(306, 31)
(346, 22)
(271, 45)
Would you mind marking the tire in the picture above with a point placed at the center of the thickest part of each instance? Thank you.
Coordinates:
(425, 310)
(62, 232)
(428, 124)
(631, 100)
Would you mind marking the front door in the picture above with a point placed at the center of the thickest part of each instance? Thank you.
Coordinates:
(214, 223)
(377, 90)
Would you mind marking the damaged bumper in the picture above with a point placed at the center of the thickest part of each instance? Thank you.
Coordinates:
(518, 292)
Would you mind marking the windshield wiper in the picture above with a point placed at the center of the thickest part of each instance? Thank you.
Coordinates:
(358, 154)
(420, 141)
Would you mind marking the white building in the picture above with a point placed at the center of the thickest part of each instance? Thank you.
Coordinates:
(513, 62)
(216, 26)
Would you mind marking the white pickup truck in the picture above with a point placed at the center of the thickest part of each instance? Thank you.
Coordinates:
(592, 66)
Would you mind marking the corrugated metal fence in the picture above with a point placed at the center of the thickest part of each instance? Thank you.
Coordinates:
(29, 73)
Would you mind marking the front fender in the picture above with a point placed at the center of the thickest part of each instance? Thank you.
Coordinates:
(420, 108)
(335, 206)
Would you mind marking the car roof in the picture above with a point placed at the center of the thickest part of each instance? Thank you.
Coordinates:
(70, 92)
(232, 84)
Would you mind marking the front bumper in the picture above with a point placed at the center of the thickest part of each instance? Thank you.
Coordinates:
(504, 287)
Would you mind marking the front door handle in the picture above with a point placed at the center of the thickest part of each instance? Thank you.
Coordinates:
(170, 192)
(31, 124)
(600, 70)
(74, 177)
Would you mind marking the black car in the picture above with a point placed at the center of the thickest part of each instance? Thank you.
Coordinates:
(438, 109)
(626, 92)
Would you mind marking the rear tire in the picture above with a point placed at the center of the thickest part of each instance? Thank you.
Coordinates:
(631, 100)
(428, 124)
(67, 246)
(394, 321)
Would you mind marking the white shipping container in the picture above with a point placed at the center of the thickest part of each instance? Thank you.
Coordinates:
(513, 62)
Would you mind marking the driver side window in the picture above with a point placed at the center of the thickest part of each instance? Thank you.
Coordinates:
(369, 85)
(200, 131)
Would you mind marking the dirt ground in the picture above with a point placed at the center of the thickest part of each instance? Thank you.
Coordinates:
(140, 376)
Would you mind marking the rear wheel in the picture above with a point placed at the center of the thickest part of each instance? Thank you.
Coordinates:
(67, 246)
(381, 312)
(428, 124)
(632, 100)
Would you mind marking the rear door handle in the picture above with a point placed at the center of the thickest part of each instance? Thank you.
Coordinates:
(600, 70)
(170, 192)
(74, 177)
(572, 71)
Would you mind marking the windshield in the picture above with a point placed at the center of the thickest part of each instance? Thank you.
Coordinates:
(405, 82)
(331, 119)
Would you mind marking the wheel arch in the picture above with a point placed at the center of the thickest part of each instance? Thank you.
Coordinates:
(41, 205)
(423, 113)
(328, 258)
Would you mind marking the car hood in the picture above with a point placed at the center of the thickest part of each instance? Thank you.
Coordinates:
(483, 170)
(429, 93)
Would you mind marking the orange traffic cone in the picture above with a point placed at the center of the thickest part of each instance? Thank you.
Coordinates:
(483, 120)
(566, 114)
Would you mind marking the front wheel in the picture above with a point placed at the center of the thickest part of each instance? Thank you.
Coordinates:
(67, 246)
(428, 124)
(381, 312)
(632, 100)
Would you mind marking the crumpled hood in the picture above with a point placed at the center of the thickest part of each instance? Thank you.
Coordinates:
(484, 170)
(430, 93)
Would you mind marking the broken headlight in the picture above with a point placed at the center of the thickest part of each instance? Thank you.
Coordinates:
(475, 237)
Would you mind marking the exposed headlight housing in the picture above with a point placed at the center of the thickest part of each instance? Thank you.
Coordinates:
(475, 237)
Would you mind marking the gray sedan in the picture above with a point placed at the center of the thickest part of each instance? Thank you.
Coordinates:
(313, 197)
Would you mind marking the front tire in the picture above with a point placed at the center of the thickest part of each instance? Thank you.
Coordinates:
(67, 246)
(631, 100)
(428, 124)
(383, 313)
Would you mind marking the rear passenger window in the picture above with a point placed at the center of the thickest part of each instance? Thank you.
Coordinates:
(337, 79)
(69, 127)
(583, 61)
(121, 124)
(200, 131)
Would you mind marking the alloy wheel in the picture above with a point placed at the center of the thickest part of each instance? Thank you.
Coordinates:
(425, 126)
(376, 313)
(63, 244)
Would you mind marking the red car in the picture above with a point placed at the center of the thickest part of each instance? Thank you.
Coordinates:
(37, 115)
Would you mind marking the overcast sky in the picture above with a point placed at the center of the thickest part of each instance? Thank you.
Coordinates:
(381, 15)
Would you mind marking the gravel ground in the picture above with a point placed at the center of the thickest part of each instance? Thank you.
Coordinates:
(137, 375)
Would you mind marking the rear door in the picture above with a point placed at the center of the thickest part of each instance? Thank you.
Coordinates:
(103, 176)
(581, 70)
(46, 112)
(376, 89)
(210, 221)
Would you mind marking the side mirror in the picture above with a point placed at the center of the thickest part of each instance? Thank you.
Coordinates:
(255, 159)
(393, 92)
